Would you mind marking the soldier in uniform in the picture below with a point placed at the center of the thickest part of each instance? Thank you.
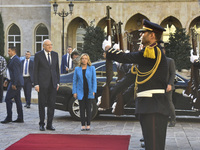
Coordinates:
(151, 81)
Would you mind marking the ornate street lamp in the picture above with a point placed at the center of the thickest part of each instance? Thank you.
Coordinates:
(63, 14)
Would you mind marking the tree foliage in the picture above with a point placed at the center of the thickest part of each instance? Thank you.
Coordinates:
(93, 39)
(1, 37)
(179, 48)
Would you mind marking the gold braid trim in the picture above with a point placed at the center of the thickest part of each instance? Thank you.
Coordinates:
(149, 73)
(149, 51)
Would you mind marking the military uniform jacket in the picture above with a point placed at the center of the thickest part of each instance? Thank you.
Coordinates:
(158, 102)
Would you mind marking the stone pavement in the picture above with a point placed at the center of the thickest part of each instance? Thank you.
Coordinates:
(184, 136)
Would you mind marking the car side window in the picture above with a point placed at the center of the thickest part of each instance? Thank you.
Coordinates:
(101, 70)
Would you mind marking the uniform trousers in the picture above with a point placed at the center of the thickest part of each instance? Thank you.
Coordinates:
(85, 106)
(47, 97)
(171, 106)
(154, 127)
(27, 90)
(16, 94)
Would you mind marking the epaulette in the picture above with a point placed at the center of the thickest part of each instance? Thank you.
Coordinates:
(149, 51)
(112, 50)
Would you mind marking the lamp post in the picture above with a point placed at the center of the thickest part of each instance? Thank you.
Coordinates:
(63, 14)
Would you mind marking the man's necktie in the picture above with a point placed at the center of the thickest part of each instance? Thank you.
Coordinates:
(26, 66)
(49, 59)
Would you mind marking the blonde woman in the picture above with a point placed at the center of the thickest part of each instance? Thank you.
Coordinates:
(84, 88)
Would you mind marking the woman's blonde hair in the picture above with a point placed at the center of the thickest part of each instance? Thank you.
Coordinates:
(89, 62)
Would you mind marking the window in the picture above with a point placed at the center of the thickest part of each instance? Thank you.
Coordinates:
(79, 37)
(14, 38)
(41, 34)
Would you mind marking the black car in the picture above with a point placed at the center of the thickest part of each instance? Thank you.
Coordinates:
(65, 100)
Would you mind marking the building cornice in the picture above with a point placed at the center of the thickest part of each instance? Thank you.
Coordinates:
(25, 6)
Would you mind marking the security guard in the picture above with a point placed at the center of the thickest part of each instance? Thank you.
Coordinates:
(151, 82)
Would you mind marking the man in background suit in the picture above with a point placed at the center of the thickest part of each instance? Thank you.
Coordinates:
(66, 63)
(14, 87)
(27, 70)
(46, 81)
(170, 87)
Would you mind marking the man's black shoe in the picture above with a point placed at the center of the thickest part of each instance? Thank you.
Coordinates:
(28, 106)
(25, 105)
(19, 121)
(142, 140)
(142, 145)
(50, 128)
(42, 128)
(6, 121)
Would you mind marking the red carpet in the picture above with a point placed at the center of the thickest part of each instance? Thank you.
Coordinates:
(71, 142)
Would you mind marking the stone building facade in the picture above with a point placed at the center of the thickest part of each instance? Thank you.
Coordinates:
(28, 15)
(24, 20)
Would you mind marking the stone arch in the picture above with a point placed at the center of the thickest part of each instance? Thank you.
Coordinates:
(103, 23)
(170, 24)
(71, 39)
(131, 29)
(171, 20)
(195, 23)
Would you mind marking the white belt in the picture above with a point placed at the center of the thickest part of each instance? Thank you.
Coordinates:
(149, 93)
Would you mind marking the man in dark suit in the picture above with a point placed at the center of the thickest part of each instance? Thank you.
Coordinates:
(27, 70)
(46, 81)
(66, 63)
(170, 87)
(14, 87)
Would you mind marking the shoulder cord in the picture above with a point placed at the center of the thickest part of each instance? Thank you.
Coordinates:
(143, 74)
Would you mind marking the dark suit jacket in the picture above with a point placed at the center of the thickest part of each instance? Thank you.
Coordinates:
(171, 72)
(64, 64)
(43, 72)
(14, 67)
(30, 68)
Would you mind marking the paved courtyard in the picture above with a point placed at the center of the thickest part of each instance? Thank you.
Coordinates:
(184, 136)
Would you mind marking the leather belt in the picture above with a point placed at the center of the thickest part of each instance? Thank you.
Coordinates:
(149, 93)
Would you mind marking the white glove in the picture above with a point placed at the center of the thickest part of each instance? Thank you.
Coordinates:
(193, 57)
(116, 46)
(106, 43)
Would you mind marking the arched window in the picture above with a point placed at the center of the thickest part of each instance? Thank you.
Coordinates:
(79, 37)
(171, 29)
(41, 34)
(14, 38)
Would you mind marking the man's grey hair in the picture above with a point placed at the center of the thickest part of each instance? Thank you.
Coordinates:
(45, 41)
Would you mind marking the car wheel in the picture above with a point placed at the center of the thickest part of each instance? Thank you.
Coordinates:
(74, 110)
